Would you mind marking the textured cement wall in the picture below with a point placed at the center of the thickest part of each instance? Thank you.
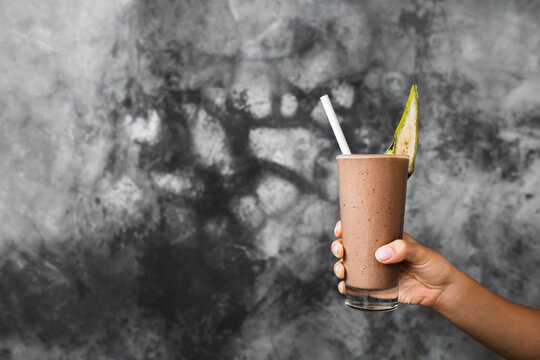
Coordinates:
(168, 183)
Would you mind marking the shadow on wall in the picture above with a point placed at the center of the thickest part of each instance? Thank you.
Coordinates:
(171, 186)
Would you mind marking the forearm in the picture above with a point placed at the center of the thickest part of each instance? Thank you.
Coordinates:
(510, 329)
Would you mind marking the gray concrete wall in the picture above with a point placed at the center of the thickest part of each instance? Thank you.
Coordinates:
(168, 183)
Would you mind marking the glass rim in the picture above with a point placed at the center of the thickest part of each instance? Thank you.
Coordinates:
(367, 156)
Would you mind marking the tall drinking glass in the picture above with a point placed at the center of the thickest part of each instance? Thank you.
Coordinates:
(372, 191)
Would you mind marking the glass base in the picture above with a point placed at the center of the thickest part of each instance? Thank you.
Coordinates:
(371, 300)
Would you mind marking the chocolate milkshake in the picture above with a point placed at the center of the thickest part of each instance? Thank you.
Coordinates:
(372, 190)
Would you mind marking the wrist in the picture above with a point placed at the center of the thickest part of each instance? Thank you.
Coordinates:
(450, 297)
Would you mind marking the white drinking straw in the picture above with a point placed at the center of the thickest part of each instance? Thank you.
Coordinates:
(335, 125)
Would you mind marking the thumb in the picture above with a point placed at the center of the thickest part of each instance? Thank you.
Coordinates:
(401, 250)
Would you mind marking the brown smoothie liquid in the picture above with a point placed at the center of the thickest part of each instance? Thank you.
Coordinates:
(372, 191)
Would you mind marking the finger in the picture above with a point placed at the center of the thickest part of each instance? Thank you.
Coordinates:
(337, 229)
(341, 287)
(339, 269)
(337, 248)
(401, 250)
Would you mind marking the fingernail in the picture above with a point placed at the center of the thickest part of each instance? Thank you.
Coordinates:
(339, 268)
(335, 231)
(384, 253)
(334, 249)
